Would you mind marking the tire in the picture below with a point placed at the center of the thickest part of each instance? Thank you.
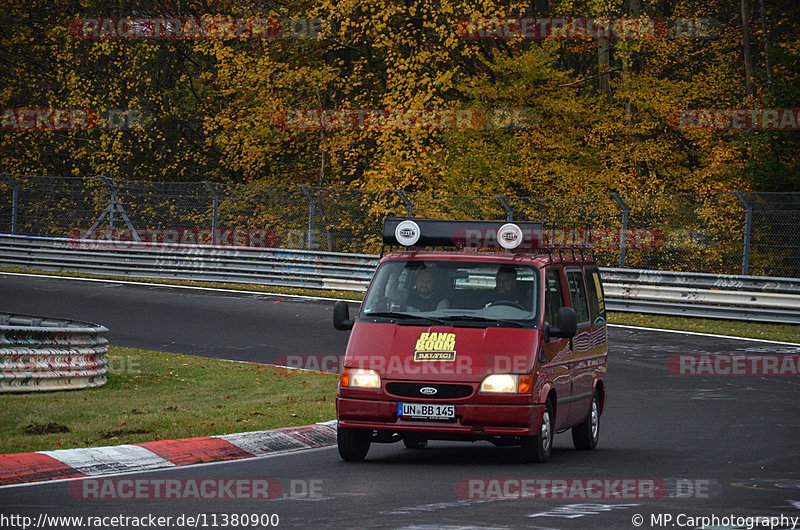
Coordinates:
(415, 442)
(586, 435)
(539, 448)
(353, 443)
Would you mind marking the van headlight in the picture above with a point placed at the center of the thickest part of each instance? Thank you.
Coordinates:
(508, 384)
(360, 378)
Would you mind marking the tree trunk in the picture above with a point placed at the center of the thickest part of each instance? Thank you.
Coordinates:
(748, 57)
(765, 36)
(603, 49)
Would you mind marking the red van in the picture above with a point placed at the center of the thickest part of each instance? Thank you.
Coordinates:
(509, 347)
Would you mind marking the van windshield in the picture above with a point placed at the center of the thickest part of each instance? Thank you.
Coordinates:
(454, 293)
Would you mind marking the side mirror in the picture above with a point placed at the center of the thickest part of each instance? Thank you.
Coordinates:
(567, 325)
(341, 316)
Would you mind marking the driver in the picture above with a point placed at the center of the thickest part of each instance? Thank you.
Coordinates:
(505, 287)
(423, 298)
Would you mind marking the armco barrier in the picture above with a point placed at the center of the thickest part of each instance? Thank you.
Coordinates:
(747, 298)
(268, 266)
(46, 354)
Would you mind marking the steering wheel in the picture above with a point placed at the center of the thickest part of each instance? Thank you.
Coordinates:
(381, 303)
(511, 303)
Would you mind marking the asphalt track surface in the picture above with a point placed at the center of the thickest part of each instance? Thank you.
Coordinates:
(226, 325)
(723, 445)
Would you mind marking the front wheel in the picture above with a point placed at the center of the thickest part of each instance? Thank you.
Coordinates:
(353, 443)
(538, 448)
(586, 435)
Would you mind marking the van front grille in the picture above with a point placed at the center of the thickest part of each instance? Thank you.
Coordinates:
(443, 391)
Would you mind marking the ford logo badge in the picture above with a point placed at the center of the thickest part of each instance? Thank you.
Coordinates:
(427, 390)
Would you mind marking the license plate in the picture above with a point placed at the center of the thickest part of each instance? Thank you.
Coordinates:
(427, 411)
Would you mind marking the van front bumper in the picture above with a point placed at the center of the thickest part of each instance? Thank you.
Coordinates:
(471, 419)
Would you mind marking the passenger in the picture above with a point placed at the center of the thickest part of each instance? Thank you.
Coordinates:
(424, 298)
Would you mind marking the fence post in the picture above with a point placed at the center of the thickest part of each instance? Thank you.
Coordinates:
(748, 228)
(112, 200)
(506, 207)
(409, 206)
(623, 231)
(212, 189)
(311, 212)
(14, 199)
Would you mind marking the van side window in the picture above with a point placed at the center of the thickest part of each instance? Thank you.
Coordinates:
(553, 300)
(577, 293)
(596, 303)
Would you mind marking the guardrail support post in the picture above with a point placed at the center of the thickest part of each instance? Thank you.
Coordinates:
(506, 207)
(409, 206)
(748, 228)
(311, 212)
(623, 231)
(14, 201)
(212, 189)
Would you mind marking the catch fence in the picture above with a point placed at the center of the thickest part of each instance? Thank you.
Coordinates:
(722, 233)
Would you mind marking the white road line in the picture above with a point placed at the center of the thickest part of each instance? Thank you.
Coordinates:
(704, 334)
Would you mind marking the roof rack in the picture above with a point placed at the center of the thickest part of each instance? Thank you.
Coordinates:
(473, 235)
(582, 254)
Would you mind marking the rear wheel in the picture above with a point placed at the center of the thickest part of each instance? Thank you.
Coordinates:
(538, 448)
(353, 443)
(586, 435)
(413, 441)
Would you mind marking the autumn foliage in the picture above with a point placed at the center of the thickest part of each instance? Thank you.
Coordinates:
(598, 113)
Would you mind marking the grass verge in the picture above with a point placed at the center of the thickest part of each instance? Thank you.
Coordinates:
(754, 330)
(154, 395)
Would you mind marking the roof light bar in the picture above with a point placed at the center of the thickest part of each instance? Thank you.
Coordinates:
(461, 234)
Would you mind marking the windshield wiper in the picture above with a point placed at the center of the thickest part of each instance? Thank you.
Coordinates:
(404, 316)
(484, 319)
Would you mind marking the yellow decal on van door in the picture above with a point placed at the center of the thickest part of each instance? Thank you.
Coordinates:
(435, 347)
(599, 291)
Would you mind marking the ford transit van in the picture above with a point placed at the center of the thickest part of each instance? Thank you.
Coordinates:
(508, 346)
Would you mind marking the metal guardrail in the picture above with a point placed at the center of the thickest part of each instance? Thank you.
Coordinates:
(38, 354)
(703, 280)
(280, 267)
(696, 294)
(747, 298)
